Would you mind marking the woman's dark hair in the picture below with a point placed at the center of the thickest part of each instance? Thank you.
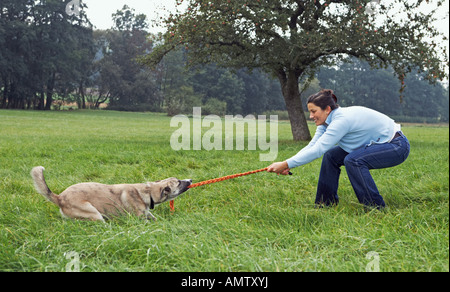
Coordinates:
(324, 98)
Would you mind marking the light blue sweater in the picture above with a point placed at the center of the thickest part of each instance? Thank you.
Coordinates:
(350, 128)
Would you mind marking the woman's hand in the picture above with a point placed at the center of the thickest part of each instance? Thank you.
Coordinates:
(279, 167)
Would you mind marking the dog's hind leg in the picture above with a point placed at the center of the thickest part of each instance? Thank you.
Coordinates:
(83, 211)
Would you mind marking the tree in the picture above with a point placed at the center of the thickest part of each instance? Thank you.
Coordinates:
(15, 52)
(291, 39)
(43, 51)
(209, 86)
(221, 84)
(361, 85)
(128, 84)
(126, 20)
(424, 100)
(177, 91)
(63, 43)
(355, 83)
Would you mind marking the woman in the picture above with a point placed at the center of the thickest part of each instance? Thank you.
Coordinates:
(365, 139)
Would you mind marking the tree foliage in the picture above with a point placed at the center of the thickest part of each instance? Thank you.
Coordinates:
(44, 51)
(127, 83)
(291, 39)
(356, 83)
(47, 55)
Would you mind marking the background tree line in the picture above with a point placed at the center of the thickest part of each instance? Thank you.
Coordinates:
(47, 56)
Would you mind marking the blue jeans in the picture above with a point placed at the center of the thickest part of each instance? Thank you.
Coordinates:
(357, 164)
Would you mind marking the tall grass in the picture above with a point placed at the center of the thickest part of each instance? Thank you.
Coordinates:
(261, 222)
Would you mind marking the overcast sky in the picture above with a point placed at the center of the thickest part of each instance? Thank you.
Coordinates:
(99, 12)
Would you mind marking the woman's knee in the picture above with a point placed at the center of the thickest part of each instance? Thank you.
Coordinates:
(352, 161)
(335, 155)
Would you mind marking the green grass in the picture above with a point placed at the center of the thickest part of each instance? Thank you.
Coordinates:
(261, 222)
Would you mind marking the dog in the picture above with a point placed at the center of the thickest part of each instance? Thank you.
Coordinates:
(95, 201)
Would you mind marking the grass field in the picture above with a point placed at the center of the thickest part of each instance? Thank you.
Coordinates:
(261, 222)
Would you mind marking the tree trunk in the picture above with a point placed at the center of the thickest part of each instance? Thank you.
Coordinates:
(82, 97)
(48, 103)
(41, 102)
(5, 94)
(291, 94)
(50, 86)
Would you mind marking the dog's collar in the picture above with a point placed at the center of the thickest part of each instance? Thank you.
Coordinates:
(152, 203)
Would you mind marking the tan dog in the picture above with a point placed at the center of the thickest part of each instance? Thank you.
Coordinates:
(95, 201)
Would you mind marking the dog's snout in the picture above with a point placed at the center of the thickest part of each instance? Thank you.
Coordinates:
(189, 181)
(184, 184)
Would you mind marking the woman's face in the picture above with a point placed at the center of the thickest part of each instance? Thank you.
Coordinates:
(318, 115)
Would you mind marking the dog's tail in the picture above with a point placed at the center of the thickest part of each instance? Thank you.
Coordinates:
(37, 173)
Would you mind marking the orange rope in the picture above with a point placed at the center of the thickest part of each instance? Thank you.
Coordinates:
(211, 181)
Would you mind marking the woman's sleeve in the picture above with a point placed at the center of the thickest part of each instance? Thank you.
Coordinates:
(324, 139)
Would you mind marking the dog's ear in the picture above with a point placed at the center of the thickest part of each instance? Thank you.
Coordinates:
(163, 190)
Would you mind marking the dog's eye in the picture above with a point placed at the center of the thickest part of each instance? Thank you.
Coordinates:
(167, 189)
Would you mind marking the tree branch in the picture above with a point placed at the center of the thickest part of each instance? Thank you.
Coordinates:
(295, 16)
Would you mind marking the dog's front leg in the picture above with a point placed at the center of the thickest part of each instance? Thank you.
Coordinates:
(149, 215)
